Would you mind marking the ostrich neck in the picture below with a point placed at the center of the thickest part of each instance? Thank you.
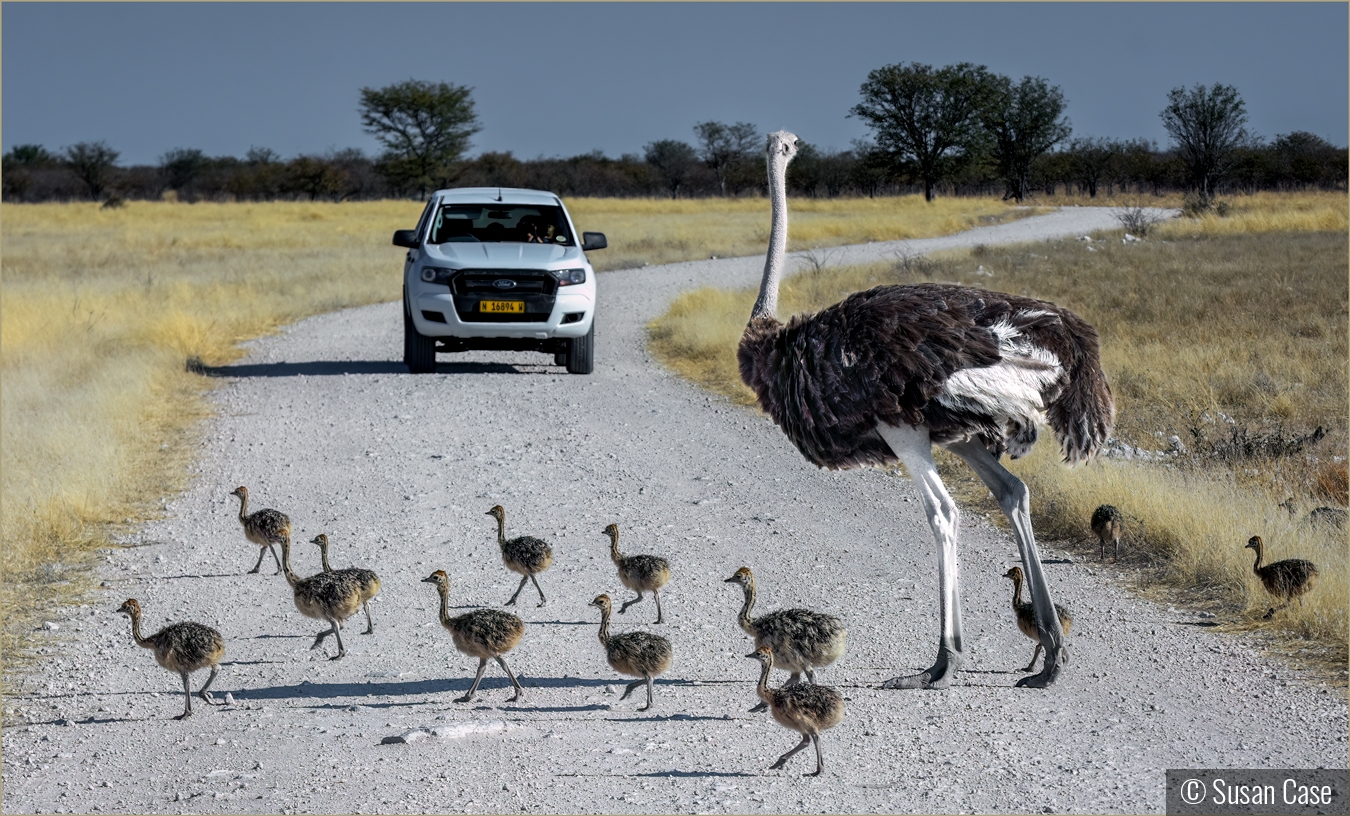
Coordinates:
(604, 627)
(1256, 567)
(136, 631)
(744, 618)
(291, 577)
(444, 592)
(762, 687)
(323, 554)
(767, 304)
(243, 507)
(501, 531)
(614, 554)
(1017, 591)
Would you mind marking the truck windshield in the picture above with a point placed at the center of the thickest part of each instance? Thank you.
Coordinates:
(526, 224)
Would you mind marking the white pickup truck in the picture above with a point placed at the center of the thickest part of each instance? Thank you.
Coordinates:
(498, 268)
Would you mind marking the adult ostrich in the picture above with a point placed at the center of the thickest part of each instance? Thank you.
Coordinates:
(888, 373)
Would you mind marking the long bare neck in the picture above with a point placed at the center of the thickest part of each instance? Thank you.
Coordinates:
(243, 507)
(744, 618)
(762, 687)
(1017, 591)
(1256, 567)
(291, 577)
(501, 531)
(323, 554)
(136, 631)
(444, 591)
(604, 627)
(767, 304)
(614, 554)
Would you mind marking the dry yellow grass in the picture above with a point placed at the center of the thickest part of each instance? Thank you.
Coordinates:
(660, 231)
(1250, 325)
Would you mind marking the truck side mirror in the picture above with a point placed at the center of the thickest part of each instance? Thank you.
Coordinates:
(408, 238)
(593, 240)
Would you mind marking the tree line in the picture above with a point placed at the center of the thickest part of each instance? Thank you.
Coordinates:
(955, 130)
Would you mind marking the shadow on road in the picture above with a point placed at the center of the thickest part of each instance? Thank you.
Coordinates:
(338, 368)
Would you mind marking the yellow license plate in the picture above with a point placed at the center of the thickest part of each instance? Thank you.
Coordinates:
(500, 306)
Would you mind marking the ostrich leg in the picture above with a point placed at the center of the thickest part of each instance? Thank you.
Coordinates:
(478, 678)
(915, 450)
(1015, 501)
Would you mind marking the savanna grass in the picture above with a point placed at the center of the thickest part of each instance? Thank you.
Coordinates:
(1204, 338)
(101, 310)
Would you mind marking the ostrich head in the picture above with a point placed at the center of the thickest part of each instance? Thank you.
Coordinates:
(764, 655)
(743, 577)
(241, 492)
(1254, 543)
(439, 578)
(612, 531)
(497, 512)
(601, 602)
(321, 539)
(1015, 574)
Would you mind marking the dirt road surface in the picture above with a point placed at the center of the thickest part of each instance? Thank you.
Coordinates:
(323, 423)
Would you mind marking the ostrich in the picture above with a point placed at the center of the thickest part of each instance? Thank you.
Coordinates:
(636, 654)
(1106, 523)
(1284, 580)
(640, 573)
(887, 373)
(183, 648)
(1026, 616)
(367, 579)
(482, 633)
(265, 528)
(526, 555)
(806, 708)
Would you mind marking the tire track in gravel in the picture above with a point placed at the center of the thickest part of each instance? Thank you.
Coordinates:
(399, 471)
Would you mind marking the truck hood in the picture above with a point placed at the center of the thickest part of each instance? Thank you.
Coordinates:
(503, 255)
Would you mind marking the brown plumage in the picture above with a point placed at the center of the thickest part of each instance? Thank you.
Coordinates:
(636, 654)
(801, 640)
(525, 554)
(806, 708)
(482, 633)
(326, 596)
(1026, 615)
(1106, 525)
(183, 648)
(266, 528)
(368, 581)
(640, 573)
(1284, 580)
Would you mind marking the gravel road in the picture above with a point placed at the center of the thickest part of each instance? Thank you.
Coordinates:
(399, 470)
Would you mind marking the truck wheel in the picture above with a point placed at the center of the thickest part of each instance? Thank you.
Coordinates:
(581, 353)
(560, 358)
(419, 352)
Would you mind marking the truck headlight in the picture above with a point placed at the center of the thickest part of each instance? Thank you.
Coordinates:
(569, 277)
(432, 274)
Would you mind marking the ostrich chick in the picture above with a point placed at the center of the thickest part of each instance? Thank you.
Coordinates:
(526, 555)
(636, 654)
(326, 596)
(640, 573)
(806, 708)
(265, 528)
(1284, 580)
(1026, 615)
(1106, 525)
(366, 579)
(182, 648)
(482, 633)
(801, 640)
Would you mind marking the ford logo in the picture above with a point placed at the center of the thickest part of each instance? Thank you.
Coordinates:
(504, 283)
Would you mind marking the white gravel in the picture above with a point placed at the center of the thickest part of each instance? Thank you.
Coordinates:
(322, 423)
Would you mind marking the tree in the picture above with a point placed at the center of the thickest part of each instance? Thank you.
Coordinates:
(92, 163)
(927, 121)
(179, 168)
(726, 148)
(29, 155)
(424, 127)
(1207, 126)
(1092, 159)
(1024, 121)
(1303, 157)
(673, 160)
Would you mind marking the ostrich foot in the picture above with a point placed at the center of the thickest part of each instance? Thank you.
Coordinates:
(370, 630)
(210, 700)
(184, 715)
(761, 707)
(254, 571)
(468, 698)
(937, 676)
(1054, 661)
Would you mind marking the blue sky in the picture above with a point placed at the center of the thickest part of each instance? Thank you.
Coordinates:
(559, 79)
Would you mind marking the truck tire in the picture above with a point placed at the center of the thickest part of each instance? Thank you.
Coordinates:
(581, 353)
(419, 352)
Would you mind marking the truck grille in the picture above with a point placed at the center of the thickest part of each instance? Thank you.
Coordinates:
(536, 289)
